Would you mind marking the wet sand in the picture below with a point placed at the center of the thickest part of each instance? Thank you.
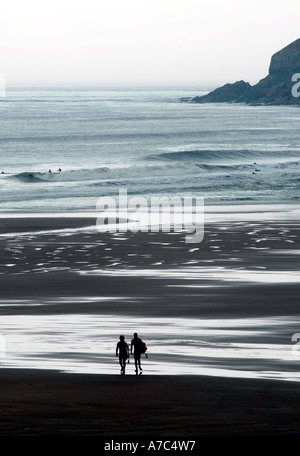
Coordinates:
(242, 269)
(246, 268)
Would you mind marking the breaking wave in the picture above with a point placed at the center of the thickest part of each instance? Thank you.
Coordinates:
(225, 156)
(159, 172)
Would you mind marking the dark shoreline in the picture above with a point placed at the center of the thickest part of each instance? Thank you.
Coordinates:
(46, 403)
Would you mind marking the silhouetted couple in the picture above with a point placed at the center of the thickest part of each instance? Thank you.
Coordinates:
(122, 351)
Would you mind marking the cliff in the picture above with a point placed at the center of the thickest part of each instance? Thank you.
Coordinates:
(274, 89)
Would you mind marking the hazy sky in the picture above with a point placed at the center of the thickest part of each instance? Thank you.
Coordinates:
(143, 42)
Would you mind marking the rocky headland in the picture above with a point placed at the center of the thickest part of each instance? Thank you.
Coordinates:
(279, 87)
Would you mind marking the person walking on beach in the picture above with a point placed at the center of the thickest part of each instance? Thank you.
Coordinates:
(136, 343)
(122, 350)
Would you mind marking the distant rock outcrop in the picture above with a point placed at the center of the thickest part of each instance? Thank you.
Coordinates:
(274, 89)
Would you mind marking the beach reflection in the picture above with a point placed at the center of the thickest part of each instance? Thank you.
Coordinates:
(249, 347)
(214, 274)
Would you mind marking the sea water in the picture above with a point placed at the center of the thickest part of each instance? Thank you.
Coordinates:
(63, 148)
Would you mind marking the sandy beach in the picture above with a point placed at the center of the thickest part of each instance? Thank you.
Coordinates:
(218, 318)
(45, 403)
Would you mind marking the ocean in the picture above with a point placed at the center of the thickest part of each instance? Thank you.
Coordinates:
(63, 148)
